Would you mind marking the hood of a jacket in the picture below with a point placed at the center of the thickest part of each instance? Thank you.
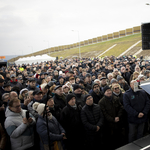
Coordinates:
(9, 113)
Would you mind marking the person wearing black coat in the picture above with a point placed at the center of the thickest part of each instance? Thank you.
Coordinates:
(92, 119)
(137, 106)
(60, 97)
(55, 110)
(96, 93)
(112, 111)
(71, 121)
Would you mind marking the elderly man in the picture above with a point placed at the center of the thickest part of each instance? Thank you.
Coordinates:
(137, 106)
(71, 122)
(92, 119)
(19, 127)
(112, 111)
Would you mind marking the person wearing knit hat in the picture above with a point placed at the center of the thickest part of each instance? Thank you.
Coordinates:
(123, 84)
(88, 97)
(70, 120)
(39, 107)
(71, 99)
(92, 119)
(113, 81)
(106, 88)
(23, 91)
(119, 77)
(112, 110)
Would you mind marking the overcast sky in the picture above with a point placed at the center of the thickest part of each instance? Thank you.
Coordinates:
(27, 25)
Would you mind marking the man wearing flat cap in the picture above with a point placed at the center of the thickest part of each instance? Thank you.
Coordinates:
(103, 82)
(112, 111)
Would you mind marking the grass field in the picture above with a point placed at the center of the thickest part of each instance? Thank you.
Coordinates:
(94, 50)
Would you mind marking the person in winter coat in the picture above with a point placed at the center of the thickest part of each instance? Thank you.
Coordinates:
(32, 84)
(96, 93)
(112, 111)
(60, 97)
(77, 91)
(18, 127)
(56, 131)
(71, 121)
(137, 106)
(14, 82)
(92, 119)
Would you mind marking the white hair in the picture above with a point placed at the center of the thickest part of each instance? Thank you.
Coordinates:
(109, 74)
(43, 86)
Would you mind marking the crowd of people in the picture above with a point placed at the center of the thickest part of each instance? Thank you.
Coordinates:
(70, 104)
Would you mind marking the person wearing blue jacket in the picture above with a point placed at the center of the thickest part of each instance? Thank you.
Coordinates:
(56, 131)
(137, 106)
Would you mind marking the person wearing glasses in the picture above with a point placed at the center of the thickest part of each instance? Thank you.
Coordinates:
(19, 127)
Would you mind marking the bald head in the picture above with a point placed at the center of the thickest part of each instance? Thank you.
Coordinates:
(13, 95)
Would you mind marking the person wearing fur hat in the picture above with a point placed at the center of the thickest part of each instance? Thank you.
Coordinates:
(112, 111)
(71, 122)
(92, 119)
(56, 131)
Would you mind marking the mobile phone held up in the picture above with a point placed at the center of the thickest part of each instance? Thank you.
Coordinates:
(27, 114)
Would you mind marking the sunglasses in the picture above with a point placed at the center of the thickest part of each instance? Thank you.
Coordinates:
(117, 88)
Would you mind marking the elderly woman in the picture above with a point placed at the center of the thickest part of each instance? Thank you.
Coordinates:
(22, 94)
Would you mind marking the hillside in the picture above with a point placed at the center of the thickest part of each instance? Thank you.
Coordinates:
(118, 45)
(94, 50)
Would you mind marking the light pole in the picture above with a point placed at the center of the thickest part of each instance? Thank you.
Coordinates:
(32, 49)
(79, 42)
(48, 46)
